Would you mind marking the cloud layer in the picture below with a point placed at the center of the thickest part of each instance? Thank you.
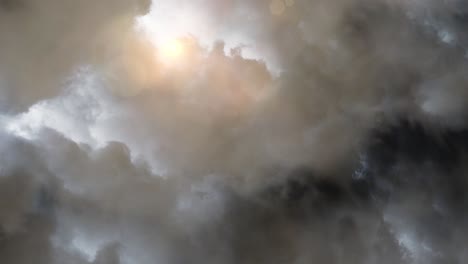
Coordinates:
(343, 141)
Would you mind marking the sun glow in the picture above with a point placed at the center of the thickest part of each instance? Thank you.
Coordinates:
(173, 50)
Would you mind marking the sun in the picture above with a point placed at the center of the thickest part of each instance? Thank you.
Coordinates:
(172, 50)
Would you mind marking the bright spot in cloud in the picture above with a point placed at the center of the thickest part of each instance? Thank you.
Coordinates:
(172, 19)
(172, 50)
(167, 21)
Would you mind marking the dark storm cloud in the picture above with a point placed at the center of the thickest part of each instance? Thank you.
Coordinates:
(418, 177)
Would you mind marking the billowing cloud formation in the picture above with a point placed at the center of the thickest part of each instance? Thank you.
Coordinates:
(342, 142)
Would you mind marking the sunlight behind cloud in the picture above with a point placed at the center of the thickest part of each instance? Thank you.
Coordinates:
(172, 50)
(174, 19)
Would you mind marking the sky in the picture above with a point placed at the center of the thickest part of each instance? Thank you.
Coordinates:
(233, 131)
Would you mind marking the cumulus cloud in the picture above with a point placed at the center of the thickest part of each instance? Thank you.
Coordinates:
(268, 132)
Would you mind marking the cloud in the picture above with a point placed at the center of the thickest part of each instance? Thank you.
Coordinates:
(341, 141)
(43, 42)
